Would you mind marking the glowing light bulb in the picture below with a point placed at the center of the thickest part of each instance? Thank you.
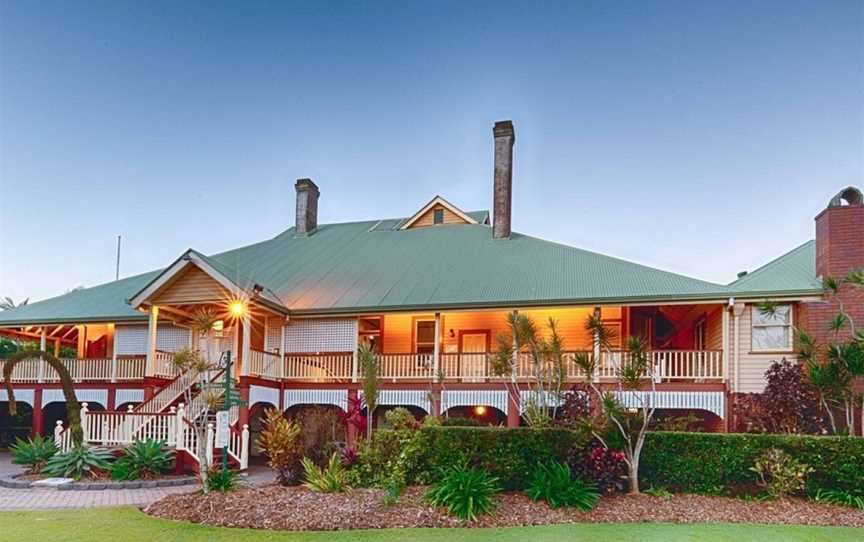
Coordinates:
(480, 410)
(237, 308)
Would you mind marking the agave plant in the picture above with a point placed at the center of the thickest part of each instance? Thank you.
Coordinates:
(33, 453)
(79, 461)
(143, 459)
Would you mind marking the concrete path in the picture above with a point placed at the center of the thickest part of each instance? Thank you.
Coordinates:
(35, 499)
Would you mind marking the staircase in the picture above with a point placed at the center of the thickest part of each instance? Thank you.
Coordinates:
(164, 417)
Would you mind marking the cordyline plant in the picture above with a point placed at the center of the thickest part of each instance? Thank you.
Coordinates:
(281, 442)
(632, 376)
(369, 375)
(200, 368)
(546, 370)
(834, 369)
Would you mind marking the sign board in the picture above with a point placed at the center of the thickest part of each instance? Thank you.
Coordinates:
(222, 430)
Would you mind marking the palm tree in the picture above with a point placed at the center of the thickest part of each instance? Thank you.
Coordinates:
(8, 304)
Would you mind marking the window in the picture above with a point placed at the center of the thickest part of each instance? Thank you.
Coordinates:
(438, 216)
(424, 336)
(772, 332)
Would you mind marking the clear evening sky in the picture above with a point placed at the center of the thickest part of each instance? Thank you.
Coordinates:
(701, 138)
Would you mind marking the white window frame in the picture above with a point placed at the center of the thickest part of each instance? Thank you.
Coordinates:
(755, 312)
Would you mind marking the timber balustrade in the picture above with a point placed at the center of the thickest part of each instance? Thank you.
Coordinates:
(120, 429)
(35, 370)
(667, 365)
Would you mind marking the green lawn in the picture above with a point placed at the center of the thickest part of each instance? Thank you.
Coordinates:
(130, 525)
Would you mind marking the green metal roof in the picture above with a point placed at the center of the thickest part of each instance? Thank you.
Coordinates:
(793, 271)
(372, 266)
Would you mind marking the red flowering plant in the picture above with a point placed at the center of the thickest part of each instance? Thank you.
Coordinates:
(605, 467)
(354, 417)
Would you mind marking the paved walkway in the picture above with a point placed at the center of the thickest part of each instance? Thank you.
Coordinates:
(34, 499)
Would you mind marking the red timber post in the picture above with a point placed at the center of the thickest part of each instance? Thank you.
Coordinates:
(513, 414)
(37, 413)
(243, 419)
(350, 430)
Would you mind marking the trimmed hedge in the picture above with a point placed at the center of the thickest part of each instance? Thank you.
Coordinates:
(508, 454)
(716, 463)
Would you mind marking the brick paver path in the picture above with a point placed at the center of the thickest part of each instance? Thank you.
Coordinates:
(33, 499)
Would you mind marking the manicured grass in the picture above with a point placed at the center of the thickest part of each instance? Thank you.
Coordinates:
(130, 525)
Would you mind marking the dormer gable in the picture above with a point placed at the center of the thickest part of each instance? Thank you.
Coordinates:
(437, 212)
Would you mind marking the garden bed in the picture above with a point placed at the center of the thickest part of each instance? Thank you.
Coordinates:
(298, 509)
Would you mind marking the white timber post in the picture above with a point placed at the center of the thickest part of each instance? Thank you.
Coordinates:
(152, 329)
(84, 422)
(355, 362)
(724, 340)
(42, 346)
(247, 345)
(128, 424)
(282, 351)
(113, 353)
(597, 353)
(171, 431)
(436, 349)
(181, 427)
(244, 447)
(736, 348)
(209, 444)
(58, 435)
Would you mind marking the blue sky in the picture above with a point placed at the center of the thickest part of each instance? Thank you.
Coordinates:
(696, 137)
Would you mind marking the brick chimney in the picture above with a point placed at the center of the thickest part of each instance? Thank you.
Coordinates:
(839, 250)
(502, 197)
(840, 235)
(306, 216)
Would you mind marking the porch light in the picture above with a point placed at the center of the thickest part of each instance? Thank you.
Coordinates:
(480, 410)
(237, 308)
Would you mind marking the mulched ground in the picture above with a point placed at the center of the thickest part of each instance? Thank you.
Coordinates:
(294, 508)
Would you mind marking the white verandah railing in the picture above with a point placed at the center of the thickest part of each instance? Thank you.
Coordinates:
(667, 365)
(37, 370)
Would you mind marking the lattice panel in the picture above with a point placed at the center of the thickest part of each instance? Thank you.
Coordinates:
(132, 340)
(274, 334)
(321, 335)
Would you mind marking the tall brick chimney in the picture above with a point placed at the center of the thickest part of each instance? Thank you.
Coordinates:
(840, 235)
(306, 215)
(502, 198)
(839, 250)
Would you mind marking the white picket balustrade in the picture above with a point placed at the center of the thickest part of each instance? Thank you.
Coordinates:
(404, 366)
(319, 367)
(264, 364)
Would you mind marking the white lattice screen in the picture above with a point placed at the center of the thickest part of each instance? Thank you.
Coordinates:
(132, 340)
(336, 335)
(274, 334)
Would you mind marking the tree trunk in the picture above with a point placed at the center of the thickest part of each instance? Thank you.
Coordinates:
(633, 474)
(368, 424)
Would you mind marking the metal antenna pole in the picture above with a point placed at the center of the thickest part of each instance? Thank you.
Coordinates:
(117, 273)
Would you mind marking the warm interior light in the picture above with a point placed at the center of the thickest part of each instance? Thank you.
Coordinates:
(237, 308)
(480, 410)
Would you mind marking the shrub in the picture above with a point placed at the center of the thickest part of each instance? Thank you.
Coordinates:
(33, 453)
(836, 496)
(122, 470)
(78, 462)
(575, 411)
(401, 419)
(461, 422)
(789, 404)
(281, 442)
(147, 458)
(506, 454)
(713, 463)
(222, 480)
(331, 479)
(466, 493)
(780, 474)
(605, 468)
(320, 429)
(553, 483)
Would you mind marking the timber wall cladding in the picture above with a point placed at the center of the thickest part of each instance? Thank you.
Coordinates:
(132, 340)
(191, 286)
(428, 218)
(324, 335)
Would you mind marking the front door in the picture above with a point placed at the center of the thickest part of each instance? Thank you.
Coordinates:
(473, 348)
